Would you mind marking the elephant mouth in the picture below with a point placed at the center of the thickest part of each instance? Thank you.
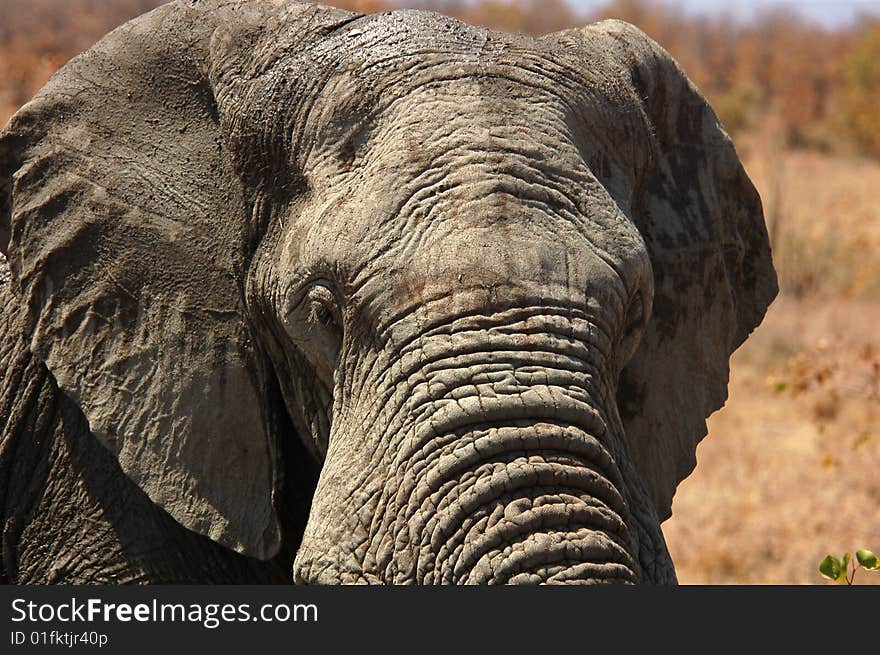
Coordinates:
(525, 502)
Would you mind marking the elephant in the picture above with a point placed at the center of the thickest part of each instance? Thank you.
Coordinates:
(293, 294)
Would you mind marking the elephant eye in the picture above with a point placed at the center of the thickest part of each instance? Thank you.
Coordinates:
(315, 312)
(321, 306)
(320, 313)
(314, 323)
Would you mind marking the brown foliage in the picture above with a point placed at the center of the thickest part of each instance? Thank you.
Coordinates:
(860, 114)
(38, 36)
(819, 87)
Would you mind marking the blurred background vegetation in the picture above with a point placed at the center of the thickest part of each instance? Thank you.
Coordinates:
(788, 473)
(820, 84)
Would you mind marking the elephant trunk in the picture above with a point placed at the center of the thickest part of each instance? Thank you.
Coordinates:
(491, 461)
(519, 502)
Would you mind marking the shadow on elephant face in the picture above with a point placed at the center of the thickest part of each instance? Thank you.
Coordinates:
(488, 283)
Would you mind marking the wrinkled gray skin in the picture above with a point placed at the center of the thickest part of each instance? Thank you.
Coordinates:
(299, 294)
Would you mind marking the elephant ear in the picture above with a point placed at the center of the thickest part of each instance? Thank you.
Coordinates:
(127, 230)
(703, 225)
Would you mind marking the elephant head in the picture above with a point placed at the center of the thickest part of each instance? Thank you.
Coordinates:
(487, 284)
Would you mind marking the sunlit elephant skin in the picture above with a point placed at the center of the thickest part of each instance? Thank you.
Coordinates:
(296, 294)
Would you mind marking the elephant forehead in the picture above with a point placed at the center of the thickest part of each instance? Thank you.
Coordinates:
(464, 198)
(452, 154)
(381, 69)
(492, 257)
(482, 269)
(408, 129)
(503, 203)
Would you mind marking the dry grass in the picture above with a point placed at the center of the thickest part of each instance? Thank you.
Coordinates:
(824, 217)
(789, 471)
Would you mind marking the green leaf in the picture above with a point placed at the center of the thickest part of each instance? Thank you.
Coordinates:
(830, 567)
(867, 559)
(841, 579)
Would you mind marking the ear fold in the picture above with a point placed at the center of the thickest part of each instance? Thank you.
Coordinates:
(127, 233)
(703, 225)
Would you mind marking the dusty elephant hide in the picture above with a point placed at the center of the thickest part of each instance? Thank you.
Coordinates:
(298, 294)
